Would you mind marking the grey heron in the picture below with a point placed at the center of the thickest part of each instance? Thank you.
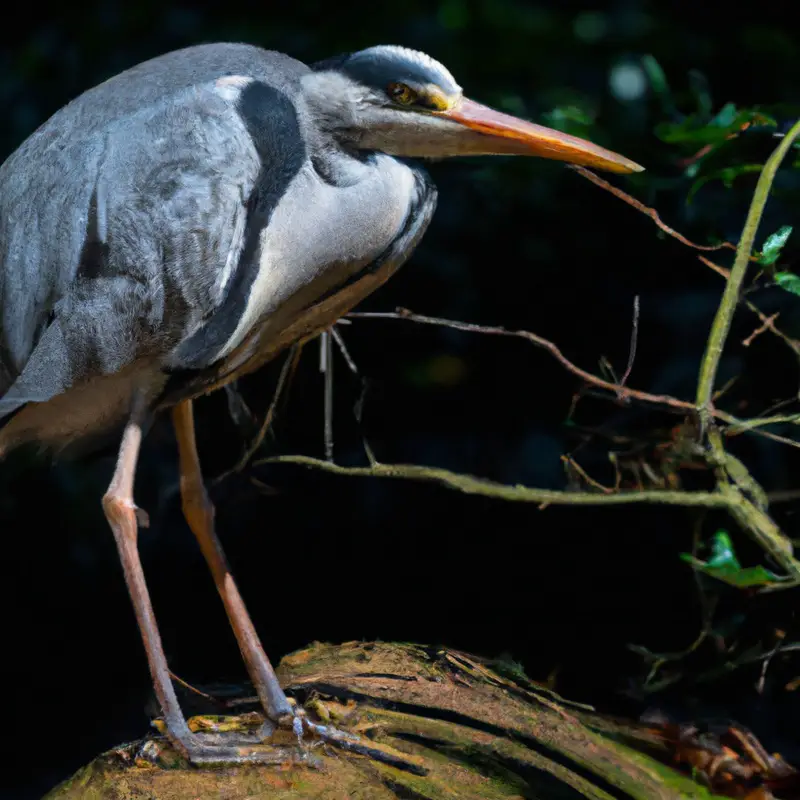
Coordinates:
(182, 223)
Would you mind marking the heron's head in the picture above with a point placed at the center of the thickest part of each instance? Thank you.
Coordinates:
(405, 103)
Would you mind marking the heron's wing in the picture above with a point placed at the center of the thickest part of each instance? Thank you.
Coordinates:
(118, 245)
(328, 263)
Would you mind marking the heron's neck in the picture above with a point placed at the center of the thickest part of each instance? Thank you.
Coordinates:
(330, 104)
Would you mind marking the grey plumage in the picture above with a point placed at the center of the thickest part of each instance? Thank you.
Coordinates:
(183, 222)
(133, 224)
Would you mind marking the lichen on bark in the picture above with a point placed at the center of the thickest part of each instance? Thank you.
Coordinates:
(443, 724)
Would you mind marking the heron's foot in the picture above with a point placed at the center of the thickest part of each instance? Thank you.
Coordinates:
(252, 739)
(234, 729)
(251, 727)
(248, 738)
(218, 750)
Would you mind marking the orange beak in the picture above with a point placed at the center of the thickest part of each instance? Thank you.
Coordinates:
(507, 135)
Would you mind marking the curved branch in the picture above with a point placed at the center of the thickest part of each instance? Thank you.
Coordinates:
(469, 484)
(753, 519)
(730, 297)
(621, 392)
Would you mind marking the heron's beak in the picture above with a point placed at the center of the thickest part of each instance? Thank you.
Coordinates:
(507, 135)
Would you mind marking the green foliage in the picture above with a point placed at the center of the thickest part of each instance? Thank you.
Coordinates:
(770, 254)
(658, 80)
(773, 246)
(727, 175)
(724, 565)
(570, 119)
(788, 281)
(701, 134)
(697, 130)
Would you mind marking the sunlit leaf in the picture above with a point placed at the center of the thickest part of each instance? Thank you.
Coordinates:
(771, 251)
(722, 552)
(724, 565)
(788, 281)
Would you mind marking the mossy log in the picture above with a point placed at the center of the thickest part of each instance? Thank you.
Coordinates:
(426, 724)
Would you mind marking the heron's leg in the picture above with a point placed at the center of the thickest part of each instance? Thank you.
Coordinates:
(199, 513)
(121, 511)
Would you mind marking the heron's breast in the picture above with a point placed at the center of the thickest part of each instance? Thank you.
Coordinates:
(318, 237)
(331, 269)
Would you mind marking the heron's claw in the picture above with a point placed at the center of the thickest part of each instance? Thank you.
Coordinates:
(236, 739)
(250, 739)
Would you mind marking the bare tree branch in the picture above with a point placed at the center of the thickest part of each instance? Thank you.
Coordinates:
(469, 484)
(752, 518)
(621, 392)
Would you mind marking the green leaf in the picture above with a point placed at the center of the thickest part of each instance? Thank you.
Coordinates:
(655, 74)
(722, 551)
(696, 129)
(727, 175)
(570, 119)
(659, 84)
(724, 565)
(698, 85)
(773, 246)
(788, 281)
(725, 117)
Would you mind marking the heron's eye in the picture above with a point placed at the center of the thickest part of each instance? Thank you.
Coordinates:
(402, 94)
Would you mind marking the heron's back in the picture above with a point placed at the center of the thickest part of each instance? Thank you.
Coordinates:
(182, 222)
(53, 207)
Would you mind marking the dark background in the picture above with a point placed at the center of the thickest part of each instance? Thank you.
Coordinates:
(517, 243)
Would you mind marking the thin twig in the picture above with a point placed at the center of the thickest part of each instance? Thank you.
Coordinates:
(622, 392)
(571, 462)
(783, 496)
(326, 367)
(337, 337)
(646, 210)
(707, 607)
(766, 325)
(491, 330)
(289, 365)
(194, 689)
(750, 424)
(750, 656)
(358, 406)
(762, 678)
(653, 214)
(725, 273)
(768, 322)
(634, 340)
